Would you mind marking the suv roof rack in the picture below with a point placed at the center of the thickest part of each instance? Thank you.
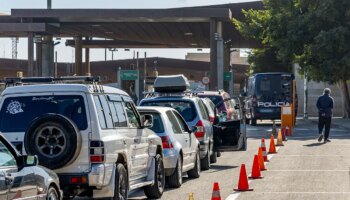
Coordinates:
(170, 94)
(64, 79)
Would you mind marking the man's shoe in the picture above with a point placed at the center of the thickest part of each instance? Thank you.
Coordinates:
(327, 140)
(320, 138)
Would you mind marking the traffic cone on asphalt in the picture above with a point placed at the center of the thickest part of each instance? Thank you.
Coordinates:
(243, 181)
(272, 148)
(191, 197)
(279, 139)
(256, 169)
(263, 148)
(216, 192)
(261, 160)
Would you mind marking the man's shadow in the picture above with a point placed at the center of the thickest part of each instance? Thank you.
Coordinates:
(314, 144)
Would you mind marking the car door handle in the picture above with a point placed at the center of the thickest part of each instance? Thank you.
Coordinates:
(8, 180)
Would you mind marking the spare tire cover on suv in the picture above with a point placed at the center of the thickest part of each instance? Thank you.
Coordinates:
(54, 138)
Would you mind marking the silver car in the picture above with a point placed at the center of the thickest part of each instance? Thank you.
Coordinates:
(22, 178)
(180, 145)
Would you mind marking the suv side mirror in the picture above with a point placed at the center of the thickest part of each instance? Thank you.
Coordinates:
(30, 161)
(147, 121)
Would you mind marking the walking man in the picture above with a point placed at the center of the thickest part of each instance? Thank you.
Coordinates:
(324, 106)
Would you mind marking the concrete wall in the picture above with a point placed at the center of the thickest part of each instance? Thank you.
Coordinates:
(315, 90)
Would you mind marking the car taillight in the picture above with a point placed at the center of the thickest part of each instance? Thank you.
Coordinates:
(211, 118)
(166, 142)
(200, 132)
(97, 152)
(78, 180)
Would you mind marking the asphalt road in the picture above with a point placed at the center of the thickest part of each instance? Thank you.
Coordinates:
(302, 169)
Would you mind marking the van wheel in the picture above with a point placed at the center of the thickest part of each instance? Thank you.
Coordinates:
(205, 162)
(218, 154)
(155, 191)
(54, 138)
(195, 172)
(175, 179)
(52, 194)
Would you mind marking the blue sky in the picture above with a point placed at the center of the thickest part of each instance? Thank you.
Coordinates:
(66, 54)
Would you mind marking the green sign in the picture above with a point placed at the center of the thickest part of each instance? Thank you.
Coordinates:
(128, 75)
(227, 76)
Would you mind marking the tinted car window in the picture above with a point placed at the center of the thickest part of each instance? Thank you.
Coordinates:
(106, 111)
(100, 113)
(6, 157)
(157, 123)
(121, 114)
(174, 124)
(26, 109)
(185, 108)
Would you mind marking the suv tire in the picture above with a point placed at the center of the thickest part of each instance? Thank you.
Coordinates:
(156, 190)
(54, 138)
(121, 183)
(213, 157)
(205, 162)
(52, 194)
(175, 179)
(195, 172)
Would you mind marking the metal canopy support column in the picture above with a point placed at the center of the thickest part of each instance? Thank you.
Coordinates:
(220, 56)
(78, 56)
(47, 68)
(87, 60)
(213, 56)
(30, 72)
(38, 47)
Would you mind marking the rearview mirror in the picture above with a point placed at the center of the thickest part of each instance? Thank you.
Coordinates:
(147, 121)
(30, 161)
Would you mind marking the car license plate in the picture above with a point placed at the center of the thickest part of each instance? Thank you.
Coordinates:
(266, 110)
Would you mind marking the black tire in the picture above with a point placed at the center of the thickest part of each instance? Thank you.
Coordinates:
(52, 194)
(121, 183)
(253, 121)
(218, 154)
(205, 162)
(156, 190)
(213, 157)
(175, 179)
(54, 138)
(196, 171)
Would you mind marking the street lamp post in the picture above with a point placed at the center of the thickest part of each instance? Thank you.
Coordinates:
(113, 50)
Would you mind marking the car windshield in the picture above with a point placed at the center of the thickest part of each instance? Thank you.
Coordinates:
(27, 108)
(6, 158)
(185, 108)
(157, 122)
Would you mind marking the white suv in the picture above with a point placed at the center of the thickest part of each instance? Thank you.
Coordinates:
(90, 135)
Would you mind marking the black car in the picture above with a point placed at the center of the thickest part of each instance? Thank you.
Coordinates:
(22, 178)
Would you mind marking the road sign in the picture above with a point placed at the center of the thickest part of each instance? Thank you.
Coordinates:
(205, 80)
(128, 75)
(227, 76)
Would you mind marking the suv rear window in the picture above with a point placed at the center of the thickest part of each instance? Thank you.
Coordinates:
(185, 108)
(18, 112)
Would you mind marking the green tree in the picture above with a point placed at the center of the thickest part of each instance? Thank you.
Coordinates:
(315, 34)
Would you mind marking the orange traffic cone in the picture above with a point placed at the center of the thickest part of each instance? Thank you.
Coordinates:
(272, 148)
(263, 148)
(261, 160)
(216, 192)
(243, 181)
(191, 197)
(279, 139)
(256, 169)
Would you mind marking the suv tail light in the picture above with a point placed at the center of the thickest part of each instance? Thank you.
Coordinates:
(97, 152)
(200, 129)
(211, 118)
(166, 142)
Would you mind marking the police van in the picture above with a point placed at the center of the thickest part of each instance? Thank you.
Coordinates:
(266, 93)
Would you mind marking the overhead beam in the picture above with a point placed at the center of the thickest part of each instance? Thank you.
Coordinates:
(29, 27)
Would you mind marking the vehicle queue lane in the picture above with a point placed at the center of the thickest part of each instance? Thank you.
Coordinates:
(225, 171)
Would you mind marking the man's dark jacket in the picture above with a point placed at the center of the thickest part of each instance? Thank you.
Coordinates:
(325, 105)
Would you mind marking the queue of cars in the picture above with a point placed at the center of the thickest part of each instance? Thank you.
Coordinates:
(101, 145)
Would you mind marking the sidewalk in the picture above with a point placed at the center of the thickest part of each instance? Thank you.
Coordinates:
(336, 122)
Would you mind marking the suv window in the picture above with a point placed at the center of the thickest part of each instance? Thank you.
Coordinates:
(203, 110)
(6, 157)
(174, 124)
(181, 122)
(132, 115)
(101, 115)
(185, 108)
(25, 109)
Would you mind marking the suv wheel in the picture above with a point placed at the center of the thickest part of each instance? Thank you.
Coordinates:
(55, 139)
(52, 194)
(155, 191)
(213, 157)
(195, 172)
(205, 162)
(175, 179)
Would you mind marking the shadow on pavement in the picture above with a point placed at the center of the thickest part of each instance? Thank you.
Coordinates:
(216, 168)
(314, 144)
